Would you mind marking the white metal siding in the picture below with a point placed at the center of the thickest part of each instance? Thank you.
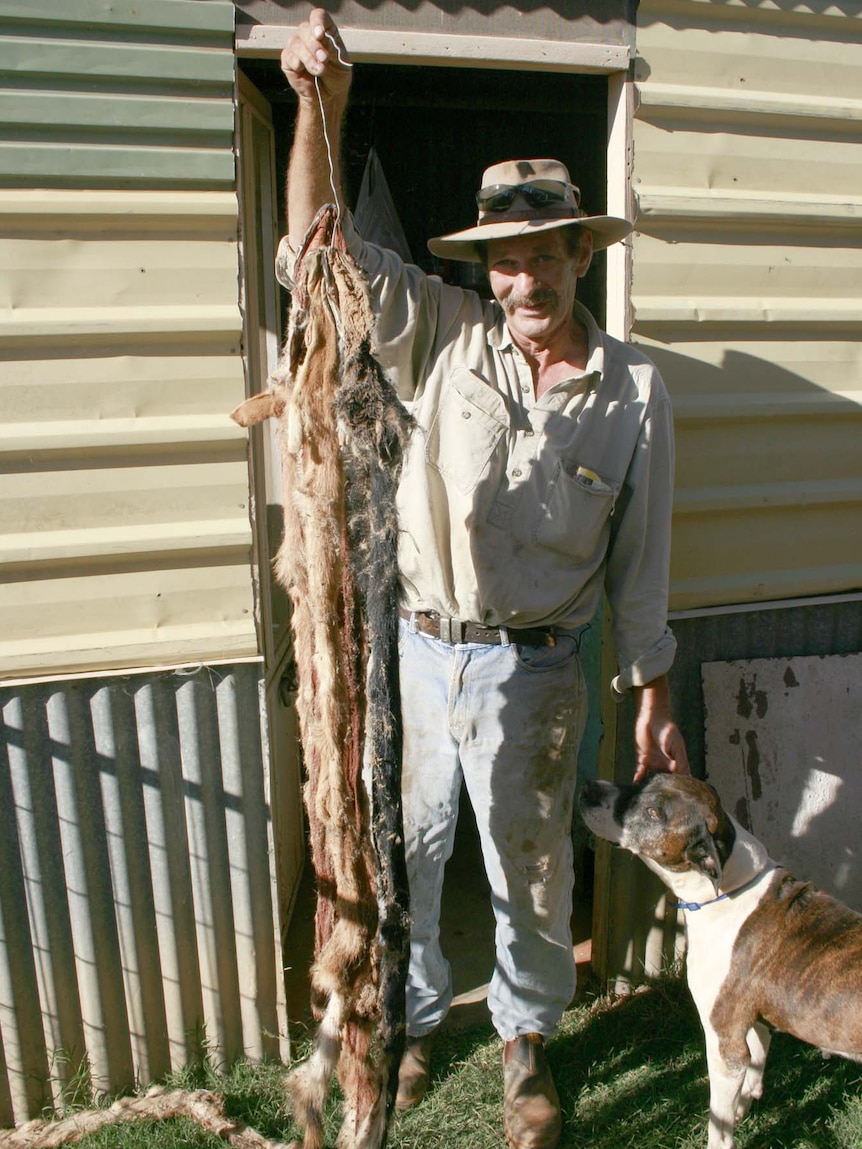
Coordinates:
(747, 292)
(124, 517)
(124, 504)
(747, 288)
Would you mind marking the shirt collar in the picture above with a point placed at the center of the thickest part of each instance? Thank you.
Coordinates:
(500, 338)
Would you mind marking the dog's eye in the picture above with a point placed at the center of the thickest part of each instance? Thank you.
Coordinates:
(653, 813)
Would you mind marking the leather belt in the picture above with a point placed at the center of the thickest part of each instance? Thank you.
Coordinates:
(454, 630)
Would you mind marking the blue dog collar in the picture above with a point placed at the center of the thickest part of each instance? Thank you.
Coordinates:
(721, 897)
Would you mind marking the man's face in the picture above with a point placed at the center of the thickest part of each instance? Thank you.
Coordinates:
(534, 279)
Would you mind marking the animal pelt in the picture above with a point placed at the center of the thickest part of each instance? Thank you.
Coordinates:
(342, 433)
(159, 1104)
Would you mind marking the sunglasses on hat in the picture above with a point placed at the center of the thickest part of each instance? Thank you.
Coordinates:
(539, 193)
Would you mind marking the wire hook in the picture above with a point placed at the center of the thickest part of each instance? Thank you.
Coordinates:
(345, 64)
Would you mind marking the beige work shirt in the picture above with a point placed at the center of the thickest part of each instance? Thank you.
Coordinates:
(516, 511)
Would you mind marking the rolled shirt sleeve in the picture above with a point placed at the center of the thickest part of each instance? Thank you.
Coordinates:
(639, 554)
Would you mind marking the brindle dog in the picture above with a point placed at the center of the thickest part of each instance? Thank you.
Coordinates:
(765, 951)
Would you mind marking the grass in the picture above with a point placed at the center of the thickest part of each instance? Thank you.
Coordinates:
(630, 1071)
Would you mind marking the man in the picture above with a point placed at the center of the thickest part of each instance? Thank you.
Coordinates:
(540, 475)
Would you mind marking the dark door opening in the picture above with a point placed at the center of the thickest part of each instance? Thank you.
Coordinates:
(437, 129)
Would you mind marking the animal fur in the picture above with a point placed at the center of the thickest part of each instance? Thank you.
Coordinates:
(158, 1104)
(343, 432)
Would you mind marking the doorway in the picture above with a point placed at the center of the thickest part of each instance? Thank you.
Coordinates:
(435, 129)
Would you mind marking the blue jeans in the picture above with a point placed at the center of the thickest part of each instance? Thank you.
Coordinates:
(507, 719)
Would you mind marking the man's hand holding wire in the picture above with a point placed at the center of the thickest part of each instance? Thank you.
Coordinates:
(315, 60)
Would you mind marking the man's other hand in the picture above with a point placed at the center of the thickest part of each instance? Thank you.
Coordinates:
(659, 744)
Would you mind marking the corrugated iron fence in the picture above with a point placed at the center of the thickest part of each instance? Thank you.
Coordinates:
(138, 919)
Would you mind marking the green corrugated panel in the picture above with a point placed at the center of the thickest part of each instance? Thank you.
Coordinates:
(101, 93)
(63, 165)
(183, 15)
(60, 111)
(107, 61)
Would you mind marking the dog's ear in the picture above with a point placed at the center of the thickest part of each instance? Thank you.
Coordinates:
(724, 836)
(702, 855)
(723, 832)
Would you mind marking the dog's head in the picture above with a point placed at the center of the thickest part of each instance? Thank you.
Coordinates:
(675, 823)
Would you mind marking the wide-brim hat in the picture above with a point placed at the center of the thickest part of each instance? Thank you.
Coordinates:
(520, 217)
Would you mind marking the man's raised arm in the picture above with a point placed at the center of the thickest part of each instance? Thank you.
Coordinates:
(312, 67)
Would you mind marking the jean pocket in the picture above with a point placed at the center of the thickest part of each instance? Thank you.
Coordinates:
(544, 659)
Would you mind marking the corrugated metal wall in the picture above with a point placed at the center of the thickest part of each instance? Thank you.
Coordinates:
(747, 292)
(139, 910)
(585, 21)
(747, 287)
(124, 517)
(116, 93)
(138, 894)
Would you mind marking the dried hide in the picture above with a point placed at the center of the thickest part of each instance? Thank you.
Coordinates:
(342, 432)
(159, 1104)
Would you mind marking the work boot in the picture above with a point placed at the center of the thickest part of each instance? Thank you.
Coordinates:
(414, 1073)
(531, 1106)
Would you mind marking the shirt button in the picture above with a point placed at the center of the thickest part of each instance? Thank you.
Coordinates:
(525, 389)
(516, 474)
(465, 414)
(529, 434)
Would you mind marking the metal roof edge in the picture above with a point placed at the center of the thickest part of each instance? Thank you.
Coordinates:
(756, 607)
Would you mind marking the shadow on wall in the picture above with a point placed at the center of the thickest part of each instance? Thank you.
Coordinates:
(765, 527)
(742, 375)
(768, 481)
(615, 15)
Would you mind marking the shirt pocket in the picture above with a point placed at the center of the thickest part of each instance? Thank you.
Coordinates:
(468, 425)
(579, 506)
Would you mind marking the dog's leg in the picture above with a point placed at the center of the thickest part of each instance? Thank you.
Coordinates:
(726, 1077)
(758, 1039)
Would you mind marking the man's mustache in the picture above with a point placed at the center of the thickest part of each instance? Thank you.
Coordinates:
(535, 299)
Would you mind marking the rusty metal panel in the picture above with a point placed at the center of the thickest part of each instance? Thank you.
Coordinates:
(782, 749)
(138, 906)
(124, 509)
(747, 288)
